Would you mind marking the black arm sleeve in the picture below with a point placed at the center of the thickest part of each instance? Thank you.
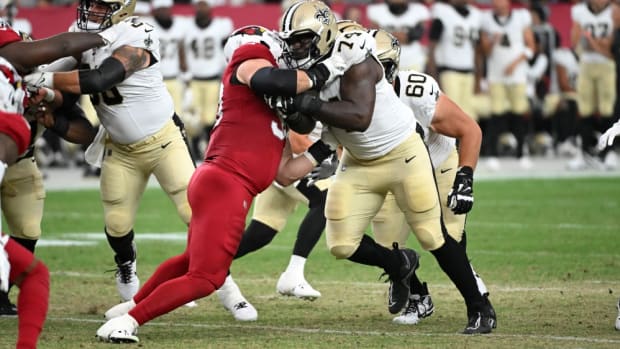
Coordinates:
(436, 30)
(274, 82)
(416, 32)
(110, 72)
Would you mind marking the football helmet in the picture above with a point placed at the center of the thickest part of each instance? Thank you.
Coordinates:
(347, 25)
(388, 52)
(89, 19)
(309, 29)
(253, 34)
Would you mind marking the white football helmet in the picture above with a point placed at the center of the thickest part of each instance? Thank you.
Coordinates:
(254, 34)
(388, 52)
(117, 10)
(309, 29)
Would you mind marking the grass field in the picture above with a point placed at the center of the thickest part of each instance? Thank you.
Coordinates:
(548, 250)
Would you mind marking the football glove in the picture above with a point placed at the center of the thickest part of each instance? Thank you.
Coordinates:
(325, 169)
(461, 196)
(5, 266)
(326, 71)
(40, 79)
(607, 138)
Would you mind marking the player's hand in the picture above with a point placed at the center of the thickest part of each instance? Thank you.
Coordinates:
(5, 266)
(111, 34)
(325, 169)
(308, 103)
(326, 71)
(461, 196)
(40, 79)
(607, 138)
(284, 105)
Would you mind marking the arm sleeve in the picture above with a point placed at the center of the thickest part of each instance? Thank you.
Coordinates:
(436, 30)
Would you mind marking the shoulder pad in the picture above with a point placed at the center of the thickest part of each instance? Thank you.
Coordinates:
(354, 46)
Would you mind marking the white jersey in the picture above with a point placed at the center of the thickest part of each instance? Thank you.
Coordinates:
(412, 54)
(140, 105)
(204, 49)
(169, 41)
(600, 25)
(567, 59)
(510, 46)
(392, 121)
(420, 92)
(456, 46)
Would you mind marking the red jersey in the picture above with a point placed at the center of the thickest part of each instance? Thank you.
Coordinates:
(8, 34)
(248, 138)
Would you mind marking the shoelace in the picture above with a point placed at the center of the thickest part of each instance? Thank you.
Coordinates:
(124, 271)
(240, 305)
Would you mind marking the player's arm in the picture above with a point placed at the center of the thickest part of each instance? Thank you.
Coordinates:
(575, 35)
(292, 168)
(450, 120)
(487, 42)
(563, 79)
(357, 91)
(434, 36)
(600, 45)
(299, 143)
(25, 55)
(261, 76)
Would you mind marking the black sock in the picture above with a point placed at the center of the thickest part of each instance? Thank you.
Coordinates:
(463, 241)
(311, 228)
(454, 262)
(416, 285)
(371, 253)
(26, 243)
(256, 236)
(123, 247)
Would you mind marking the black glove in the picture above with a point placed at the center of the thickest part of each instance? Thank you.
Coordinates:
(461, 198)
(284, 105)
(319, 74)
(308, 103)
(325, 169)
(300, 123)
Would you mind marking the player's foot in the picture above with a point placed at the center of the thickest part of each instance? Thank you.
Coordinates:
(618, 318)
(418, 308)
(122, 329)
(232, 299)
(127, 282)
(490, 310)
(290, 284)
(119, 309)
(6, 307)
(478, 323)
(398, 294)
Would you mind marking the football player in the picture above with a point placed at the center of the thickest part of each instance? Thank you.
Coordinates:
(443, 122)
(204, 51)
(452, 49)
(144, 136)
(383, 153)
(246, 153)
(592, 33)
(508, 43)
(271, 210)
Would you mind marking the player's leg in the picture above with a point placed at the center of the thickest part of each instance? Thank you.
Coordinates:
(123, 180)
(353, 198)
(606, 84)
(496, 124)
(22, 198)
(293, 282)
(417, 195)
(32, 278)
(519, 118)
(586, 104)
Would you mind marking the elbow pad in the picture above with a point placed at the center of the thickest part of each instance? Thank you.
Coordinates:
(274, 82)
(110, 72)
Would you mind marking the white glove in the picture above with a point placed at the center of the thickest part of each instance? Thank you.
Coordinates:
(5, 266)
(110, 35)
(328, 138)
(607, 138)
(40, 79)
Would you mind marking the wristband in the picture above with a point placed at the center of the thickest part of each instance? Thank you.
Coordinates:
(318, 152)
(466, 170)
(49, 94)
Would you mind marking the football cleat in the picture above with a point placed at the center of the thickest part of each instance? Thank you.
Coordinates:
(231, 298)
(478, 323)
(491, 311)
(6, 307)
(398, 294)
(618, 318)
(122, 329)
(127, 282)
(418, 308)
(119, 309)
(296, 286)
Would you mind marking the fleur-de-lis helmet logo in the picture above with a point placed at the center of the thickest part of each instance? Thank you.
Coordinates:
(322, 15)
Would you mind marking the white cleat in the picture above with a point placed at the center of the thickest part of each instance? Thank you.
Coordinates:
(618, 318)
(127, 282)
(120, 309)
(296, 286)
(122, 329)
(409, 316)
(191, 304)
(231, 298)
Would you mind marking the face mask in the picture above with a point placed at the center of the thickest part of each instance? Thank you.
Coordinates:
(398, 9)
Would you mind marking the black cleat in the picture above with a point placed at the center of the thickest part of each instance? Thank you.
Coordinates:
(398, 294)
(490, 311)
(6, 307)
(478, 323)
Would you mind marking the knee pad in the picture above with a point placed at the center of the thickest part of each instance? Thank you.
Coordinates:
(342, 251)
(429, 234)
(117, 223)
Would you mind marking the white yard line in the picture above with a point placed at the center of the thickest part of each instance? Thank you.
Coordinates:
(407, 333)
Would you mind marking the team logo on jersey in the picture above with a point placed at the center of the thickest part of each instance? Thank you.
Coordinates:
(148, 42)
(322, 15)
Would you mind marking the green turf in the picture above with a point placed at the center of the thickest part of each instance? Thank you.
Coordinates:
(548, 250)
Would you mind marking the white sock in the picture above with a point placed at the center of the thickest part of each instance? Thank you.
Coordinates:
(482, 288)
(296, 265)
